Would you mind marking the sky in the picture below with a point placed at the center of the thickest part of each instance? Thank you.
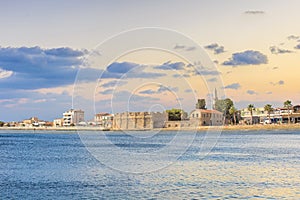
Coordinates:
(103, 56)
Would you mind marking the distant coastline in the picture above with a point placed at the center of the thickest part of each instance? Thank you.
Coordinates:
(200, 128)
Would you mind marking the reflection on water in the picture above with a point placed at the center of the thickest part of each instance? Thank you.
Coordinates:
(258, 165)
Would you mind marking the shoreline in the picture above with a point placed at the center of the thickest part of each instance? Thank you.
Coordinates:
(200, 128)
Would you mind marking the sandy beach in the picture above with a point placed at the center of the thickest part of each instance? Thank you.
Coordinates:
(200, 128)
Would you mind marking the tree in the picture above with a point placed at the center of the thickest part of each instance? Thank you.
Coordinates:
(201, 104)
(175, 114)
(223, 105)
(269, 109)
(288, 104)
(251, 108)
(232, 111)
(1, 123)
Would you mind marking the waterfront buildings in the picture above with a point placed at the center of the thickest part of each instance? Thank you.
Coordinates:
(73, 117)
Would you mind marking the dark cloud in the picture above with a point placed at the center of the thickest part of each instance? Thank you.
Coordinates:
(251, 92)
(113, 83)
(188, 91)
(293, 37)
(233, 86)
(297, 46)
(205, 72)
(254, 12)
(190, 48)
(171, 66)
(159, 90)
(35, 67)
(276, 50)
(212, 80)
(128, 70)
(248, 57)
(177, 46)
(108, 91)
(216, 48)
(281, 82)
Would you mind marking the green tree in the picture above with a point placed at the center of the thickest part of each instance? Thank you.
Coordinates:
(251, 108)
(1, 123)
(201, 104)
(269, 109)
(175, 114)
(232, 111)
(223, 105)
(288, 104)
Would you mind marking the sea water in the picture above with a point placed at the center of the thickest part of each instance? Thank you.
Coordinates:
(239, 164)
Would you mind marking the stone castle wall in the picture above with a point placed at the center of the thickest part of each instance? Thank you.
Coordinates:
(139, 120)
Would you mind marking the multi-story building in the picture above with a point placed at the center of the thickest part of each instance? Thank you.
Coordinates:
(73, 117)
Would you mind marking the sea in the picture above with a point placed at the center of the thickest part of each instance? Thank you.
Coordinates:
(150, 165)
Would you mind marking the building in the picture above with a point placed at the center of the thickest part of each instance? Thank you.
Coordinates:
(139, 120)
(203, 117)
(104, 120)
(73, 117)
(58, 122)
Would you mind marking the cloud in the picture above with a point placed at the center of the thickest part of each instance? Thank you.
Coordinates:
(254, 12)
(128, 70)
(191, 48)
(293, 37)
(177, 46)
(113, 83)
(5, 73)
(108, 91)
(212, 80)
(160, 89)
(248, 57)
(171, 66)
(205, 72)
(251, 92)
(216, 48)
(281, 82)
(35, 67)
(233, 86)
(276, 50)
(297, 46)
(188, 91)
(269, 92)
(149, 91)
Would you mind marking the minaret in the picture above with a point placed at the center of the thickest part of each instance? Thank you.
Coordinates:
(216, 98)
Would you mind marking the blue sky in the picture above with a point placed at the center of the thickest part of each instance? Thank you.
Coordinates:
(255, 46)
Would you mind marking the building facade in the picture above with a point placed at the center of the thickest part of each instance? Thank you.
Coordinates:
(203, 117)
(139, 120)
(104, 120)
(73, 117)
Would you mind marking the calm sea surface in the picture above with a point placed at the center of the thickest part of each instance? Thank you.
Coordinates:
(241, 165)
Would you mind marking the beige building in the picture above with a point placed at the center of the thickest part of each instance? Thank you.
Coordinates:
(202, 117)
(104, 120)
(73, 117)
(139, 120)
(58, 122)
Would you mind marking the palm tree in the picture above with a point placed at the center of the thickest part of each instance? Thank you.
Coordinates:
(232, 111)
(251, 108)
(269, 109)
(288, 104)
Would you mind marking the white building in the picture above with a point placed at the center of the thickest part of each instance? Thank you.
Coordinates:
(73, 117)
